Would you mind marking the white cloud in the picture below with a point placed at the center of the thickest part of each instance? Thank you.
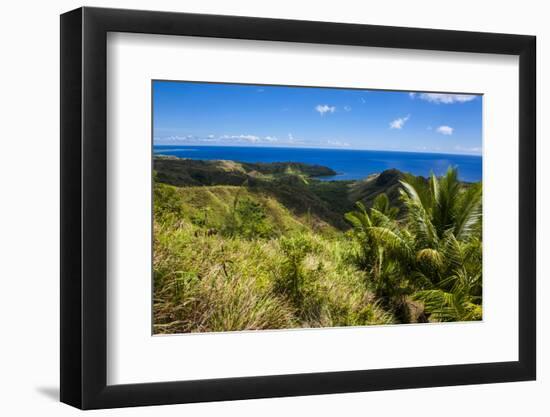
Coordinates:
(347, 108)
(363, 100)
(474, 150)
(171, 139)
(447, 98)
(412, 95)
(242, 138)
(337, 143)
(248, 139)
(324, 108)
(399, 122)
(445, 130)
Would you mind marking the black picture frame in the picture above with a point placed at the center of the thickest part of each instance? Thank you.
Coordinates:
(84, 207)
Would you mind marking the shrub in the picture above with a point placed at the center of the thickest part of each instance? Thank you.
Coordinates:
(324, 288)
(166, 201)
(290, 282)
(248, 219)
(252, 220)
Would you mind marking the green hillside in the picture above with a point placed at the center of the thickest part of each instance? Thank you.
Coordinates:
(262, 246)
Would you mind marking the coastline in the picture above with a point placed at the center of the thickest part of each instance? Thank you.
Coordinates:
(347, 165)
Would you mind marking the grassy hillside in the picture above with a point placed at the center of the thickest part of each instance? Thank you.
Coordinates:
(293, 185)
(184, 172)
(221, 265)
(266, 246)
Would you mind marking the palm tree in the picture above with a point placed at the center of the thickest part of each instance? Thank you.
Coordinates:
(456, 294)
(445, 217)
(386, 250)
(441, 205)
(435, 255)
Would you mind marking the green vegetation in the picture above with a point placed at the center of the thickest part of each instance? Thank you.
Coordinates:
(269, 246)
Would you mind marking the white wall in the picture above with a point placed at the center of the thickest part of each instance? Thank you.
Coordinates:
(29, 237)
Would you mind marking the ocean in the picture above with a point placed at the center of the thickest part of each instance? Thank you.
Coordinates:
(349, 164)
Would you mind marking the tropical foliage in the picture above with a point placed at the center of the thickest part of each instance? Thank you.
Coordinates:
(432, 254)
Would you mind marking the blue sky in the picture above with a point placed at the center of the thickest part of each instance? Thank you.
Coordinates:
(256, 115)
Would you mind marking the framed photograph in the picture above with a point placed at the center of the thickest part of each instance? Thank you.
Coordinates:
(258, 208)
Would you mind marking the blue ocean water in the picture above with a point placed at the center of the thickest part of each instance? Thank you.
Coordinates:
(349, 164)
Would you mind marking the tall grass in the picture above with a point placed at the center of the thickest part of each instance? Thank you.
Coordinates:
(214, 282)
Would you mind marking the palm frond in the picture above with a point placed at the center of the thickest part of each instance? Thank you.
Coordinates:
(391, 241)
(430, 258)
(468, 213)
(418, 217)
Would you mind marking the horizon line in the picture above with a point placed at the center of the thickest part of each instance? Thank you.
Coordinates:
(318, 147)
